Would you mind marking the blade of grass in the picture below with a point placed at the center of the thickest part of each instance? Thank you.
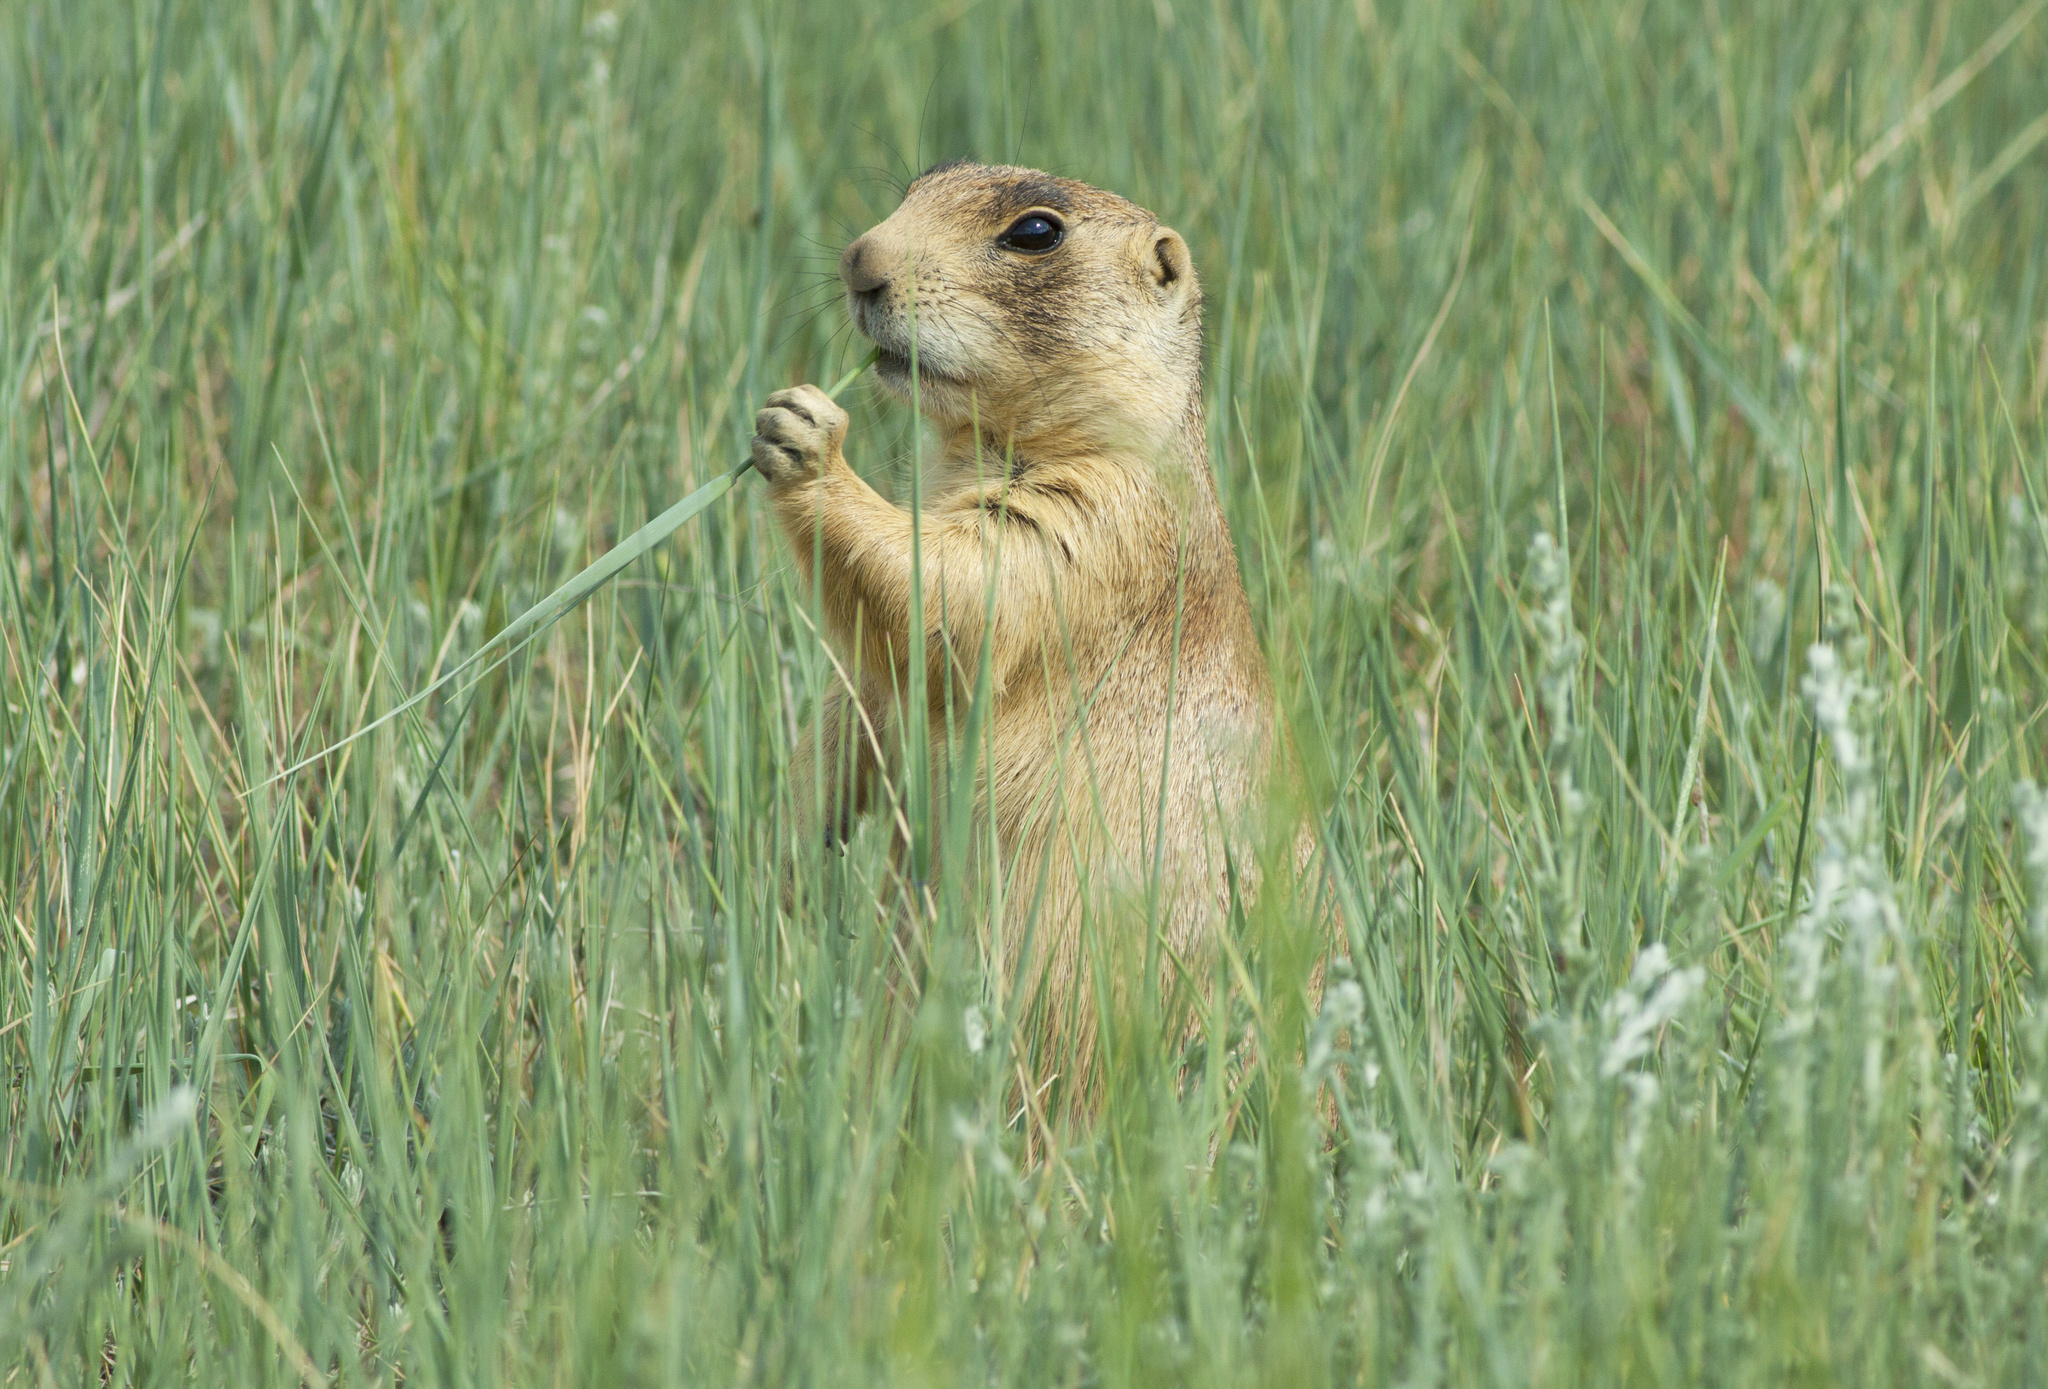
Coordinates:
(558, 604)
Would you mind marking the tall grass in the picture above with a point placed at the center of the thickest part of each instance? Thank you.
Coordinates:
(1632, 419)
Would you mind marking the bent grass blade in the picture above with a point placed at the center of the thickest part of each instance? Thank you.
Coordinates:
(542, 615)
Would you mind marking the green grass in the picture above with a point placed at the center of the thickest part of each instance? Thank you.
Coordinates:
(1689, 1033)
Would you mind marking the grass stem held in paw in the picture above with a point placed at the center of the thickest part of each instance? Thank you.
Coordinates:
(565, 599)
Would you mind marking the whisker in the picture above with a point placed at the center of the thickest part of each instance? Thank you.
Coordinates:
(805, 322)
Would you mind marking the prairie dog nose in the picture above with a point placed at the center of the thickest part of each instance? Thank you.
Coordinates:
(857, 268)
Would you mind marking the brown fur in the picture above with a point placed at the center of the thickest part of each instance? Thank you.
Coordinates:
(1070, 522)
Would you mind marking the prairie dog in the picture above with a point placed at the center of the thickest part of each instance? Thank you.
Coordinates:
(1070, 536)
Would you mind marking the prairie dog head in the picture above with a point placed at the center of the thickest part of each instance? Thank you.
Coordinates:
(1038, 308)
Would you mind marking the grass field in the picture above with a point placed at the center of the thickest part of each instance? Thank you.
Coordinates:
(1632, 418)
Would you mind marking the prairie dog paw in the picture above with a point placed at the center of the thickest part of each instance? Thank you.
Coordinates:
(797, 435)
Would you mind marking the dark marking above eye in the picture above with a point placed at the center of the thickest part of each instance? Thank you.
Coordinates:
(1033, 234)
(1032, 192)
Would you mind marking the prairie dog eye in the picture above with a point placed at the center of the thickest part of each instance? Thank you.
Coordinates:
(1034, 234)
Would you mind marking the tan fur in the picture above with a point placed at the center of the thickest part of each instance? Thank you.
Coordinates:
(1070, 522)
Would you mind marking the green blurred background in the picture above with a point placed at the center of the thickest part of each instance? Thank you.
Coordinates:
(1689, 1031)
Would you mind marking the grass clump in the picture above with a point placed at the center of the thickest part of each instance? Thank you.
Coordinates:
(1632, 420)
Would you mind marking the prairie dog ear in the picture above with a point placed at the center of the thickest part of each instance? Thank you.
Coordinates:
(1169, 269)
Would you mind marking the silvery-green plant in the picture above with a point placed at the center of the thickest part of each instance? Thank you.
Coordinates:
(2030, 812)
(1560, 654)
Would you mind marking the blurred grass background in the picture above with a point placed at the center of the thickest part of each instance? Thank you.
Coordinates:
(1573, 369)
